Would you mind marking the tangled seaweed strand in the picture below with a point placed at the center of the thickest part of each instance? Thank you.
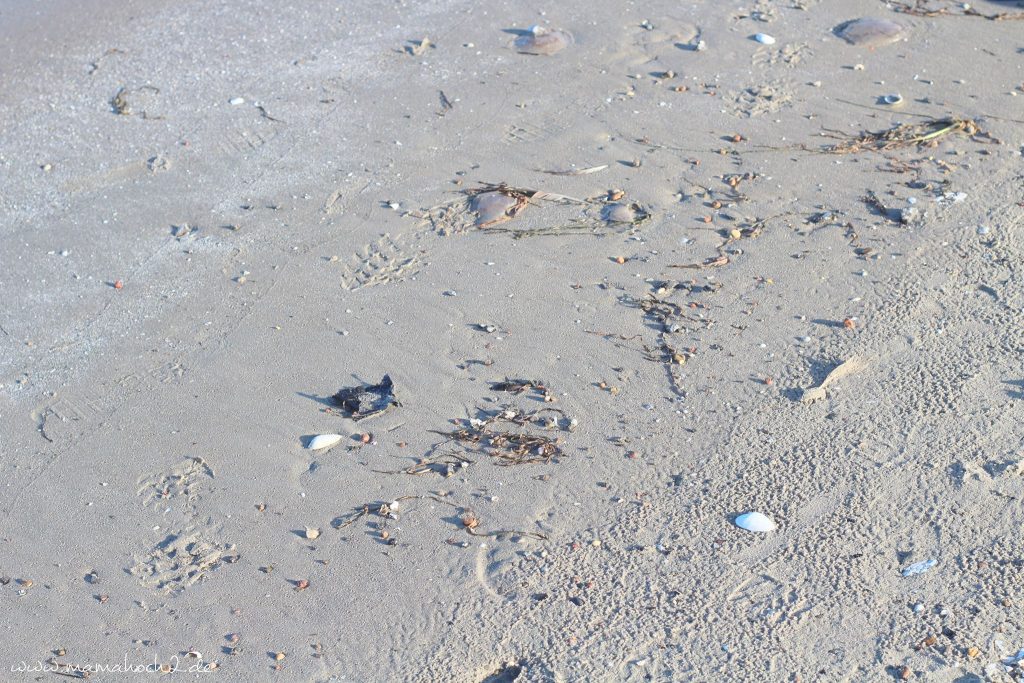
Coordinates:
(506, 436)
(908, 135)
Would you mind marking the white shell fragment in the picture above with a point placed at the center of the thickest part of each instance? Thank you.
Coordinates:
(323, 441)
(312, 533)
(756, 522)
(764, 39)
(895, 98)
(919, 567)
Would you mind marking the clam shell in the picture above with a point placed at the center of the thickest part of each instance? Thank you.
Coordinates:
(322, 441)
(764, 39)
(870, 32)
(542, 41)
(492, 207)
(756, 522)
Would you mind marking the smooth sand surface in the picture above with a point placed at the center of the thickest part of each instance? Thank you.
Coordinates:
(213, 216)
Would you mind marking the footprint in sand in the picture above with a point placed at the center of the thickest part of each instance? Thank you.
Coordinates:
(182, 557)
(380, 262)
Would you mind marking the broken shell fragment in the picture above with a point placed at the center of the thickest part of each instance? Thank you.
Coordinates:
(892, 99)
(918, 567)
(322, 441)
(542, 41)
(312, 533)
(756, 522)
(870, 32)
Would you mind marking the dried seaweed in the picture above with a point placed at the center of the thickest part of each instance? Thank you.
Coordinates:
(446, 465)
(388, 512)
(907, 135)
(927, 8)
(385, 510)
(710, 262)
(588, 227)
(511, 436)
(518, 386)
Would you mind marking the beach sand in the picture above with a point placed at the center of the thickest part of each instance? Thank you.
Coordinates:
(216, 215)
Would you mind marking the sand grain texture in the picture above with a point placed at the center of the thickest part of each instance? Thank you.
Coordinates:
(282, 208)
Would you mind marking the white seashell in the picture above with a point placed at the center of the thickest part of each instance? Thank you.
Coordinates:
(312, 533)
(756, 522)
(892, 99)
(324, 441)
(919, 567)
(764, 39)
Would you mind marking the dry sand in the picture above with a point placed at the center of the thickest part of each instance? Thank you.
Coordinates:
(156, 488)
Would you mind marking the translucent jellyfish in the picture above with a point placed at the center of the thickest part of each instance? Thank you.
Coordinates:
(492, 207)
(542, 41)
(619, 213)
(870, 32)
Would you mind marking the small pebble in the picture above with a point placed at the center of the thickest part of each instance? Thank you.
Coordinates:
(235, 101)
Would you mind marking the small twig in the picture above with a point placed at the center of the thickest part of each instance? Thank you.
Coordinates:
(579, 171)
(711, 262)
